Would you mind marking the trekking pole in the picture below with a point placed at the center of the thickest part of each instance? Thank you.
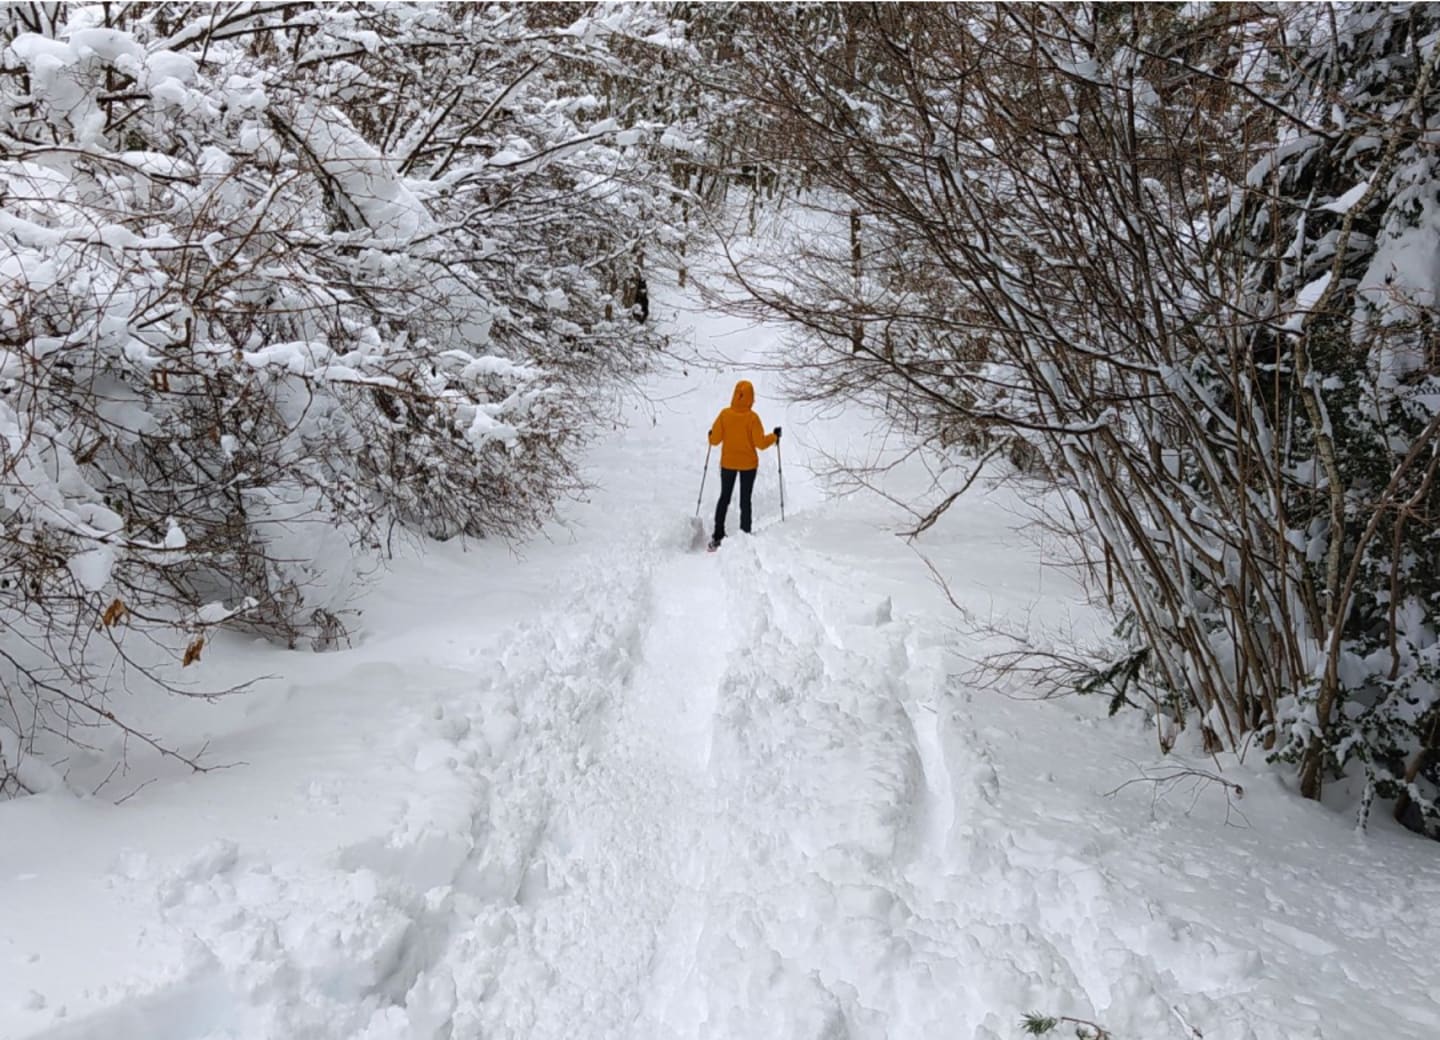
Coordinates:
(780, 461)
(706, 472)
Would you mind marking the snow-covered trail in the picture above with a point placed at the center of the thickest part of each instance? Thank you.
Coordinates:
(720, 797)
(702, 778)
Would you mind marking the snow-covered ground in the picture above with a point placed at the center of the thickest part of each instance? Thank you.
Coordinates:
(609, 787)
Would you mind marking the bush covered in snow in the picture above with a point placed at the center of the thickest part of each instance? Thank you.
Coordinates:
(1182, 260)
(275, 278)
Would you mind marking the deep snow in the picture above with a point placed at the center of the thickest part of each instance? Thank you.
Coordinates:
(607, 787)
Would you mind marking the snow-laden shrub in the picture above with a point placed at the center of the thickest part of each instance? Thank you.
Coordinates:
(1339, 229)
(1186, 257)
(274, 279)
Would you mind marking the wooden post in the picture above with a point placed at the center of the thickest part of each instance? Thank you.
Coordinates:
(684, 237)
(680, 176)
(857, 330)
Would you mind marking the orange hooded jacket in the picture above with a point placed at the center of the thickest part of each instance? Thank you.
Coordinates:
(741, 431)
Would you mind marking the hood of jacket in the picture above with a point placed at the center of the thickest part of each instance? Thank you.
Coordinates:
(744, 396)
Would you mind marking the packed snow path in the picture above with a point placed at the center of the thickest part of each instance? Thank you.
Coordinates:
(735, 796)
(705, 762)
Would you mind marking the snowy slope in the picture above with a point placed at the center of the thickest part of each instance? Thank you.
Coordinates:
(612, 788)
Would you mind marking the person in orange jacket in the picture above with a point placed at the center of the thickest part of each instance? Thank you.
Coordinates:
(743, 437)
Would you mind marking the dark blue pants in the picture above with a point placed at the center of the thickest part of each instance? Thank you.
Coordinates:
(727, 486)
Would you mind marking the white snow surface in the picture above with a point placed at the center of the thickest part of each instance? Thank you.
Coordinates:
(608, 787)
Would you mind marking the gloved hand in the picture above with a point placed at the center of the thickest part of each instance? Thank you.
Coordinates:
(777, 433)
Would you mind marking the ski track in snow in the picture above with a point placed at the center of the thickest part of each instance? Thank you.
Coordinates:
(666, 881)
